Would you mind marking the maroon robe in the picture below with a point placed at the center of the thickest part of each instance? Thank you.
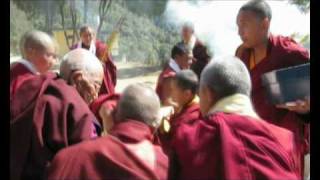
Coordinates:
(46, 115)
(200, 56)
(109, 157)
(110, 99)
(18, 74)
(188, 114)
(166, 73)
(231, 146)
(282, 52)
(110, 70)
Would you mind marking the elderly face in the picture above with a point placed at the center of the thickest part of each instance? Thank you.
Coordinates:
(89, 86)
(250, 28)
(186, 33)
(87, 36)
(44, 59)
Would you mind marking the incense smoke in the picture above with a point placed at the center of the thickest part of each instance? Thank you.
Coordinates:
(215, 21)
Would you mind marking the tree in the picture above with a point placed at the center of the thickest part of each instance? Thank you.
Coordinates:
(19, 24)
(303, 5)
(104, 6)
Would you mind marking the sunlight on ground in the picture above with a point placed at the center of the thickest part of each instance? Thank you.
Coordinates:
(146, 76)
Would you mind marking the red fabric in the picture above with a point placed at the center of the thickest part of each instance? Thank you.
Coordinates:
(201, 57)
(18, 74)
(167, 72)
(46, 115)
(109, 157)
(111, 101)
(110, 69)
(282, 52)
(230, 146)
(187, 115)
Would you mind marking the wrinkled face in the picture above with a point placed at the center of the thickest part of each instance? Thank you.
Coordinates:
(184, 61)
(251, 29)
(89, 86)
(186, 33)
(43, 60)
(206, 100)
(87, 36)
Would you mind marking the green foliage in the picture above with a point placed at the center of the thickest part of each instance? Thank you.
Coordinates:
(19, 24)
(303, 5)
(144, 35)
(140, 38)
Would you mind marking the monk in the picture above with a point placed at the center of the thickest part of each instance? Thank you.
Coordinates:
(88, 41)
(38, 52)
(231, 141)
(199, 53)
(47, 114)
(179, 60)
(127, 152)
(184, 95)
(263, 52)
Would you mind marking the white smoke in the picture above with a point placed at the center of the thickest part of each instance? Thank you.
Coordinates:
(215, 21)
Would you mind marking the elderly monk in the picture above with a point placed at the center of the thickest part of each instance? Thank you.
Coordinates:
(231, 141)
(127, 152)
(184, 88)
(88, 41)
(199, 53)
(38, 52)
(263, 52)
(179, 60)
(47, 114)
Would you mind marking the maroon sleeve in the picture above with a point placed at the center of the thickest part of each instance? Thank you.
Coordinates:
(296, 54)
(67, 118)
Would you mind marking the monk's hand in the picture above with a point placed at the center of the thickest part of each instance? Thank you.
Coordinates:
(106, 113)
(299, 106)
(86, 90)
(166, 113)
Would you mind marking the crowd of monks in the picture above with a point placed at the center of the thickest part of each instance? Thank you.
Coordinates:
(218, 123)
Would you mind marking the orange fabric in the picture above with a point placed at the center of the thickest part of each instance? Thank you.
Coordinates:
(252, 60)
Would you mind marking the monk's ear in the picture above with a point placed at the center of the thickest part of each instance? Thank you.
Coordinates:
(211, 95)
(266, 24)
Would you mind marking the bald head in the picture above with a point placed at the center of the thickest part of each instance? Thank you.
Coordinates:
(259, 7)
(141, 103)
(226, 76)
(39, 49)
(83, 70)
(221, 78)
(35, 40)
(79, 59)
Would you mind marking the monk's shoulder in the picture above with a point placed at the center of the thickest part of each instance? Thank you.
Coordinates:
(287, 46)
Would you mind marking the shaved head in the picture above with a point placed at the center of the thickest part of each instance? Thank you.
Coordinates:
(83, 70)
(39, 49)
(222, 78)
(259, 7)
(36, 40)
(227, 76)
(80, 59)
(139, 102)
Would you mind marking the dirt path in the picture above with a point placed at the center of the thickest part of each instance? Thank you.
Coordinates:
(129, 73)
